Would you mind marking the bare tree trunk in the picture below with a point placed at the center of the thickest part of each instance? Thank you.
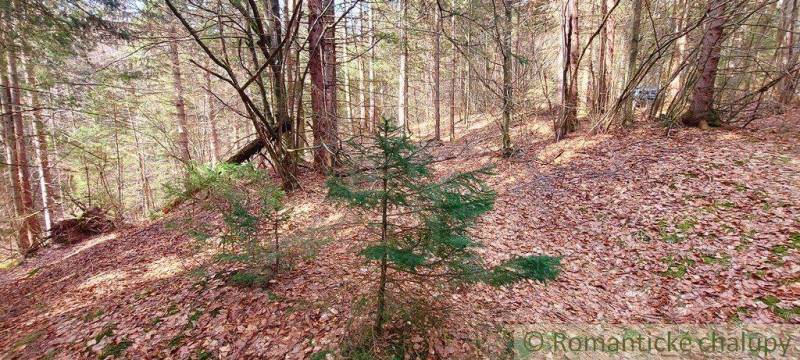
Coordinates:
(790, 55)
(633, 53)
(10, 142)
(120, 213)
(40, 140)
(211, 112)
(362, 90)
(681, 9)
(568, 117)
(437, 34)
(601, 95)
(508, 95)
(348, 84)
(180, 106)
(29, 234)
(373, 110)
(402, 84)
(147, 199)
(701, 112)
(322, 68)
(453, 76)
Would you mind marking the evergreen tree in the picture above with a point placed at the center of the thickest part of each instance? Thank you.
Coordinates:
(424, 223)
(248, 202)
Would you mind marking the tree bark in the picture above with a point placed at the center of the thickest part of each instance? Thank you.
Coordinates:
(601, 92)
(147, 199)
(790, 54)
(437, 34)
(211, 112)
(508, 95)
(568, 118)
(453, 75)
(180, 107)
(633, 53)
(701, 111)
(373, 109)
(10, 142)
(402, 83)
(29, 234)
(322, 68)
(46, 181)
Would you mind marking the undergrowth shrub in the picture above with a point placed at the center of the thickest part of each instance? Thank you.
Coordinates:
(251, 208)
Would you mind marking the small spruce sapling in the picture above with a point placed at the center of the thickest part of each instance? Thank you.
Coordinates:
(423, 224)
(232, 191)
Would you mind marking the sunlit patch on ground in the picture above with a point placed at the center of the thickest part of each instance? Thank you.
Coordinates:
(163, 268)
(105, 281)
(536, 127)
(90, 243)
(566, 150)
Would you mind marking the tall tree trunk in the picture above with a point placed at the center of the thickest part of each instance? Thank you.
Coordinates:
(147, 199)
(601, 95)
(29, 235)
(568, 117)
(437, 34)
(453, 67)
(46, 181)
(402, 83)
(10, 142)
(322, 68)
(508, 96)
(633, 53)
(790, 54)
(701, 111)
(120, 213)
(362, 68)
(180, 107)
(348, 82)
(681, 9)
(373, 109)
(211, 112)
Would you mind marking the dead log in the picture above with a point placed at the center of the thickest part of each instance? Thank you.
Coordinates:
(246, 152)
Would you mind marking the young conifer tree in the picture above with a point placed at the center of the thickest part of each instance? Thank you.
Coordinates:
(423, 223)
(248, 201)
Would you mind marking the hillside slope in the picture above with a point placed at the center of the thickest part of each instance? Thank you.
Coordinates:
(696, 227)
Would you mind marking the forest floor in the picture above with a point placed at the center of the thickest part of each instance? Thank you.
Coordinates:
(687, 227)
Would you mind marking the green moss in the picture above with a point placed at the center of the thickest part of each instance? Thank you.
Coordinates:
(320, 355)
(784, 313)
(687, 224)
(92, 315)
(247, 279)
(9, 264)
(780, 250)
(28, 339)
(171, 310)
(736, 317)
(176, 341)
(204, 354)
(676, 268)
(114, 350)
(725, 205)
(107, 331)
(33, 272)
(794, 240)
(723, 260)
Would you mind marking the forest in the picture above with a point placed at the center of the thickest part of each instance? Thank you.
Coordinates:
(399, 179)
